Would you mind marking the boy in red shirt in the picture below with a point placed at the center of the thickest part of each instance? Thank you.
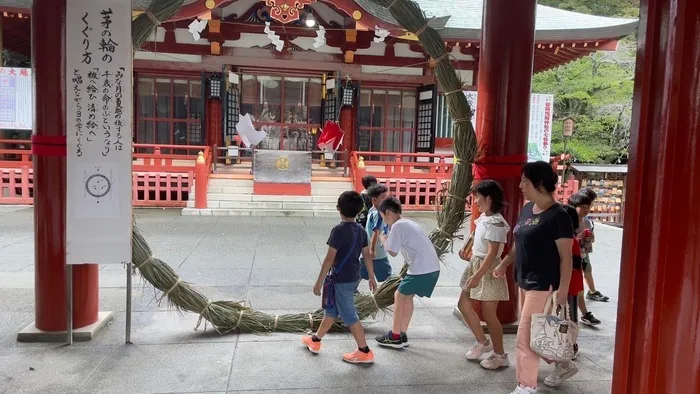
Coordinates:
(576, 283)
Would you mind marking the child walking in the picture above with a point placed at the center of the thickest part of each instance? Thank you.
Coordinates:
(419, 254)
(587, 224)
(581, 202)
(367, 182)
(576, 283)
(345, 244)
(375, 226)
(478, 282)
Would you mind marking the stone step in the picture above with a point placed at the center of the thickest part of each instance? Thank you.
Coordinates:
(344, 185)
(248, 212)
(216, 198)
(230, 189)
(220, 182)
(266, 205)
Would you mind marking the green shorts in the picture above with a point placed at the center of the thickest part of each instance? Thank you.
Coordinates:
(420, 285)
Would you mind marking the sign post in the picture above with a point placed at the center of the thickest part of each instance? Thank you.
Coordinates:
(99, 133)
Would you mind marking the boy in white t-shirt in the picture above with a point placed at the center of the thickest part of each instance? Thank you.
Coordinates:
(407, 237)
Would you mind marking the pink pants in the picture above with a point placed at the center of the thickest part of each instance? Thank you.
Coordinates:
(528, 362)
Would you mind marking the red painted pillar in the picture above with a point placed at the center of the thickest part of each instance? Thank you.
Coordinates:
(658, 343)
(48, 52)
(505, 70)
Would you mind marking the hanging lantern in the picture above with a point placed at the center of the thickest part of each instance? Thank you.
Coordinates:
(348, 93)
(215, 86)
(568, 130)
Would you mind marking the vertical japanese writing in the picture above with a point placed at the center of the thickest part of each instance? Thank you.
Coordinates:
(106, 101)
(78, 98)
(87, 55)
(107, 45)
(118, 107)
(92, 91)
(547, 123)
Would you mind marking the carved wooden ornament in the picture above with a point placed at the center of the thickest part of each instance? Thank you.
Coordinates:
(286, 11)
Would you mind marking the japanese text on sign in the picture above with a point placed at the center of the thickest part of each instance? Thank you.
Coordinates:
(16, 98)
(99, 108)
(540, 133)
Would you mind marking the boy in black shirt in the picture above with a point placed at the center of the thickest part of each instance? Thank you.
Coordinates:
(347, 241)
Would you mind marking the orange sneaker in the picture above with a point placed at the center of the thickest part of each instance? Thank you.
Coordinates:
(314, 347)
(358, 357)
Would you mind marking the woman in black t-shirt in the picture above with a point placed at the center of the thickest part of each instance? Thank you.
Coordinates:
(543, 263)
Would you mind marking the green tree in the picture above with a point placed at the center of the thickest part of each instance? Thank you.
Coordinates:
(596, 91)
(618, 8)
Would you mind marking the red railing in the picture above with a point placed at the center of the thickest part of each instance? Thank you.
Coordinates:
(159, 179)
(416, 179)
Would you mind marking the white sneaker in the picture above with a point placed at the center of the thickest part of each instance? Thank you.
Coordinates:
(479, 350)
(495, 361)
(524, 390)
(562, 371)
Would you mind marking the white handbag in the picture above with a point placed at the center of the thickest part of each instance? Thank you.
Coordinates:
(553, 336)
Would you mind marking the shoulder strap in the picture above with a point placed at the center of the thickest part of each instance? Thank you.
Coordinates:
(355, 231)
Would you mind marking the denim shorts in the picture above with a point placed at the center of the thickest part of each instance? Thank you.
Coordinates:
(344, 303)
(382, 269)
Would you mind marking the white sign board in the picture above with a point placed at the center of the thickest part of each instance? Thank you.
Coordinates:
(98, 128)
(16, 101)
(539, 144)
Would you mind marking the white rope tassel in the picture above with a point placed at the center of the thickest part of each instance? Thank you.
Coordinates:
(148, 260)
(275, 327)
(177, 282)
(311, 321)
(375, 302)
(239, 318)
(201, 317)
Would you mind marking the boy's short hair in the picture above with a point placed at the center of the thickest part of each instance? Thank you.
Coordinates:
(350, 203)
(390, 204)
(588, 192)
(368, 181)
(377, 190)
(573, 215)
(579, 199)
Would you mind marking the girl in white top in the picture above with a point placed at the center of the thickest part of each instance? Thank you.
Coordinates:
(478, 282)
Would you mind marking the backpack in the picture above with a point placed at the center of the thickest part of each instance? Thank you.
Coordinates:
(366, 204)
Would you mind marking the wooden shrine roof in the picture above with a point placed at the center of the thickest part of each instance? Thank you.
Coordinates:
(561, 36)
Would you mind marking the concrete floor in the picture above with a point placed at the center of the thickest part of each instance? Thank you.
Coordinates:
(272, 263)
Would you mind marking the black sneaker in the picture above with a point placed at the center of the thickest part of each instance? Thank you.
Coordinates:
(404, 339)
(387, 340)
(589, 320)
(596, 296)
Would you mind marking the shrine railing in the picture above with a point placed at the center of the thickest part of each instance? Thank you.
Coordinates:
(420, 180)
(416, 179)
(241, 160)
(163, 175)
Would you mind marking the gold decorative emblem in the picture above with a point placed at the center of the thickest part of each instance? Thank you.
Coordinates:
(286, 11)
(282, 163)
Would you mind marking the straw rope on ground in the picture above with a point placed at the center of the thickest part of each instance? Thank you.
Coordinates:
(227, 316)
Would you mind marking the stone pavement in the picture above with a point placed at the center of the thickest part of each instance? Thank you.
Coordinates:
(272, 263)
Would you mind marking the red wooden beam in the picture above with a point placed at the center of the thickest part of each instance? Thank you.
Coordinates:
(197, 8)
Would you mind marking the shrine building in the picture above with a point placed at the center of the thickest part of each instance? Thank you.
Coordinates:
(344, 60)
(191, 91)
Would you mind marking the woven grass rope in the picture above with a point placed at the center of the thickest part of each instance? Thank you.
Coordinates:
(227, 316)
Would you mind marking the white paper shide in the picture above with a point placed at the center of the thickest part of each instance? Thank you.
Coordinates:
(98, 127)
